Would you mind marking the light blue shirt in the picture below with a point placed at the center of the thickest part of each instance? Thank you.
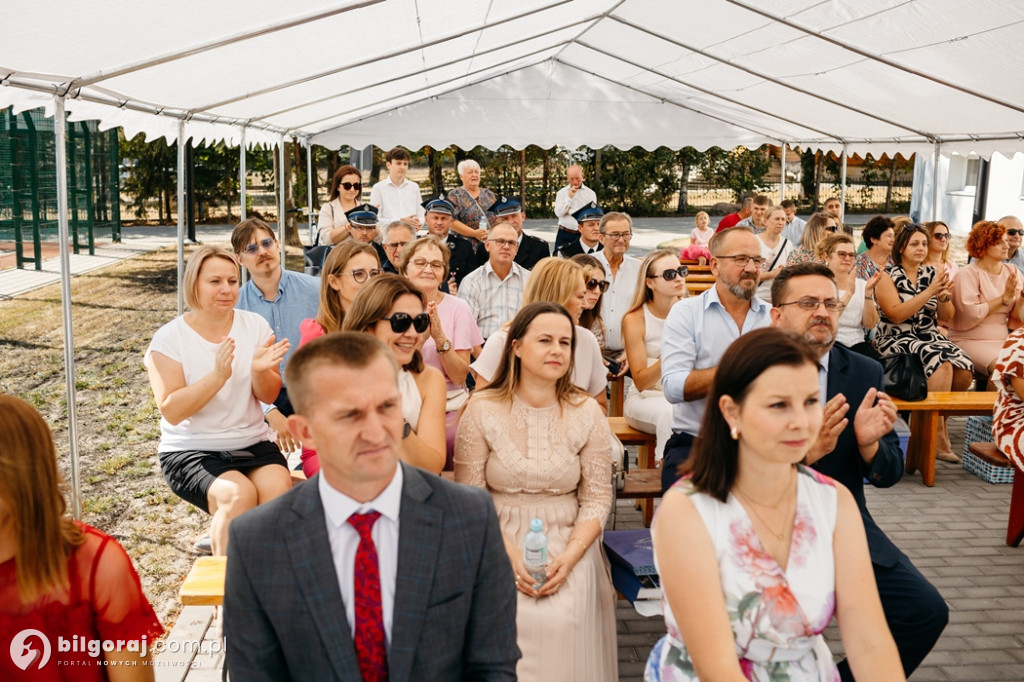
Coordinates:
(697, 332)
(1017, 259)
(298, 297)
(794, 231)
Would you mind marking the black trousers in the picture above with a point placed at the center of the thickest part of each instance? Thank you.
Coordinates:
(914, 609)
(677, 451)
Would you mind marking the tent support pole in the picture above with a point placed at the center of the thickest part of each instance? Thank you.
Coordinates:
(60, 132)
(309, 186)
(782, 184)
(242, 177)
(280, 195)
(936, 155)
(181, 216)
(842, 188)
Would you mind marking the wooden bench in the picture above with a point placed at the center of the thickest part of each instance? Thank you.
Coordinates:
(924, 424)
(644, 482)
(204, 584)
(645, 442)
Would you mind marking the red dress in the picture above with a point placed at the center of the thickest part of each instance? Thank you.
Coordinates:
(104, 602)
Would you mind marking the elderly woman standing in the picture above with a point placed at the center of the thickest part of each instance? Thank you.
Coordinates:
(210, 369)
(471, 202)
(985, 297)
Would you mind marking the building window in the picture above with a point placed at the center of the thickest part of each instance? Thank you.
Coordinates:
(963, 174)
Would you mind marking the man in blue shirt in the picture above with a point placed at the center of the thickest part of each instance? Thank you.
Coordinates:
(281, 297)
(1014, 230)
(697, 332)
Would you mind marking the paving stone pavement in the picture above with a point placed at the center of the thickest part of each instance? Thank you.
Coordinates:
(955, 533)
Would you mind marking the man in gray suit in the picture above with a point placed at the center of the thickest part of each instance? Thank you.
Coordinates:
(440, 599)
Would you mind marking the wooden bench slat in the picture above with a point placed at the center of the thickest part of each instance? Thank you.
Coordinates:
(204, 584)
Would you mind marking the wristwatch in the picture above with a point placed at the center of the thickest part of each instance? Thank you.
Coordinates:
(406, 429)
(444, 347)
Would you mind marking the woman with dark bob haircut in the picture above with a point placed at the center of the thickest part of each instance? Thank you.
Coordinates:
(879, 235)
(755, 551)
(986, 297)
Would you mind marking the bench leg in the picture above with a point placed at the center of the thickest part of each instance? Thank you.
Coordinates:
(1015, 525)
(924, 427)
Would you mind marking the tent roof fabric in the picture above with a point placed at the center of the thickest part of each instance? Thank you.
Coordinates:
(894, 76)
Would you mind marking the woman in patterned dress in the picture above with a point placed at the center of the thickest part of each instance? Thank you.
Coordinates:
(540, 446)
(755, 551)
(1008, 416)
(912, 298)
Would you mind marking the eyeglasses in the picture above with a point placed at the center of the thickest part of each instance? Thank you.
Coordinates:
(396, 245)
(400, 322)
(252, 249)
(598, 284)
(1015, 233)
(503, 242)
(743, 260)
(423, 263)
(615, 236)
(940, 235)
(351, 185)
(669, 275)
(846, 254)
(833, 305)
(362, 275)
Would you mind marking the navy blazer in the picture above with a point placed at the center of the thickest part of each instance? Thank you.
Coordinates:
(531, 251)
(575, 248)
(852, 375)
(455, 602)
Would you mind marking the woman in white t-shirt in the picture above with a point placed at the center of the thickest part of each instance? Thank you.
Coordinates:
(209, 370)
(860, 315)
(775, 250)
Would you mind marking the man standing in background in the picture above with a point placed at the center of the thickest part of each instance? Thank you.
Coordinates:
(570, 199)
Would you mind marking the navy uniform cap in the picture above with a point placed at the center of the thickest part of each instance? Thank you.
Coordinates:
(364, 214)
(589, 212)
(506, 206)
(439, 205)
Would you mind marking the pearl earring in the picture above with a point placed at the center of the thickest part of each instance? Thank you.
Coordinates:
(734, 433)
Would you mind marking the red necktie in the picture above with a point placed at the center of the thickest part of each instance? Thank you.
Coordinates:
(371, 644)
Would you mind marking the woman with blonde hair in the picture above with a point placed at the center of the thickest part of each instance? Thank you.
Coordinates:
(60, 577)
(348, 267)
(939, 240)
(560, 281)
(393, 310)
(817, 228)
(775, 249)
(662, 283)
(210, 369)
(539, 445)
(597, 285)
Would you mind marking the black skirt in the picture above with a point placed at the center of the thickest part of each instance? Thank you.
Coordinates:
(190, 473)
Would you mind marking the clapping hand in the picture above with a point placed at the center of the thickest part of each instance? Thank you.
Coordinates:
(269, 355)
(832, 424)
(874, 420)
(1010, 291)
(224, 358)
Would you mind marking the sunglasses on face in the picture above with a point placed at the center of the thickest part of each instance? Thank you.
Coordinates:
(351, 185)
(1014, 233)
(669, 275)
(400, 322)
(362, 275)
(596, 284)
(266, 243)
(940, 235)
(832, 228)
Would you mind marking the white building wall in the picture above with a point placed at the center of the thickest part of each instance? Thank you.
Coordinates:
(956, 193)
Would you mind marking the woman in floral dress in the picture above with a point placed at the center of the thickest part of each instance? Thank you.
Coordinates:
(755, 551)
(1008, 416)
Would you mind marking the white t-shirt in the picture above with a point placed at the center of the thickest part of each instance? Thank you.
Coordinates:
(232, 419)
(851, 330)
(588, 372)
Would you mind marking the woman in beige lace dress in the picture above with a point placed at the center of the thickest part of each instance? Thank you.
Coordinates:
(540, 446)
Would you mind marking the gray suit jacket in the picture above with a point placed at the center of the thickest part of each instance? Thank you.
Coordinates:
(455, 598)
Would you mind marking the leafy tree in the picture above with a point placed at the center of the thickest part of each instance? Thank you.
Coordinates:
(150, 172)
(741, 170)
(636, 180)
(688, 158)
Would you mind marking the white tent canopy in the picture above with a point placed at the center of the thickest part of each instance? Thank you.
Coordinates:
(873, 75)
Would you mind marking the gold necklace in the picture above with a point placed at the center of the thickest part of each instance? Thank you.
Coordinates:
(752, 505)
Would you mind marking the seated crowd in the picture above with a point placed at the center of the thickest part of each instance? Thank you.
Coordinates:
(442, 337)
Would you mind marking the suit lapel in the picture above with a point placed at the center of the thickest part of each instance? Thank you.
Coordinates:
(419, 539)
(837, 367)
(309, 552)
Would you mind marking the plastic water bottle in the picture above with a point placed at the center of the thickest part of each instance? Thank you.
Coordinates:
(535, 553)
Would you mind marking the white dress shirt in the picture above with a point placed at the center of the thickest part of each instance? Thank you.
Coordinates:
(565, 205)
(344, 541)
(794, 231)
(396, 201)
(616, 300)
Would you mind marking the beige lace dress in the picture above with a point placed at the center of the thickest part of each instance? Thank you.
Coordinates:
(551, 464)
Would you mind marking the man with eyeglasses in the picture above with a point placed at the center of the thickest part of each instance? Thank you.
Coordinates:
(362, 225)
(396, 236)
(282, 297)
(857, 443)
(531, 249)
(1014, 230)
(440, 214)
(697, 332)
(494, 291)
(622, 272)
(588, 219)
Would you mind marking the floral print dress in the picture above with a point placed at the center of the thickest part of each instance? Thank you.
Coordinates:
(1008, 416)
(777, 615)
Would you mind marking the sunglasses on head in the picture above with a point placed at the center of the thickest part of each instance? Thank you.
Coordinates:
(595, 284)
(253, 249)
(669, 275)
(351, 185)
(400, 322)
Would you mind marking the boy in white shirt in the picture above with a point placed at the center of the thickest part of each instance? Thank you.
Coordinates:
(396, 197)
